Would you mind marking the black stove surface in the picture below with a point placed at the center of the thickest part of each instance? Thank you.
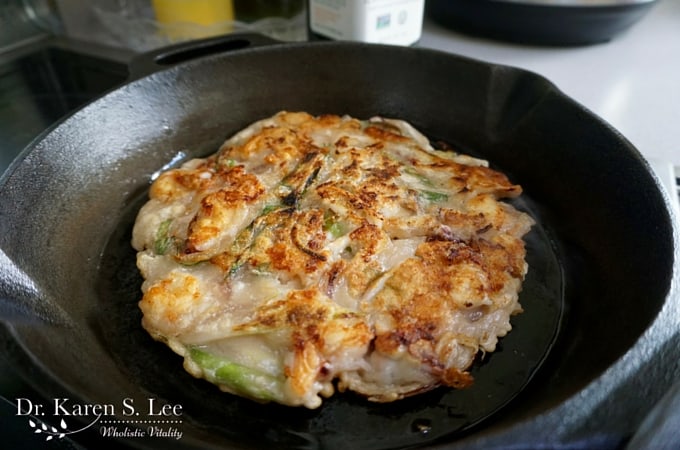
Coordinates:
(39, 88)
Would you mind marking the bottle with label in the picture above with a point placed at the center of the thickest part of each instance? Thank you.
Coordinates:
(397, 22)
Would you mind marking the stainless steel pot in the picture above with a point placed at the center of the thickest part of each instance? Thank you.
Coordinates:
(568, 3)
(543, 22)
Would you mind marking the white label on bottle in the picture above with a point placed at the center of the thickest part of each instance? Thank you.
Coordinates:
(398, 22)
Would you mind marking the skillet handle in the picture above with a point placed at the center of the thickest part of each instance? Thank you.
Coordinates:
(163, 58)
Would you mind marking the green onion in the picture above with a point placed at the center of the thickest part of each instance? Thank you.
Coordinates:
(235, 267)
(432, 196)
(422, 178)
(270, 208)
(163, 241)
(238, 378)
(337, 229)
(332, 226)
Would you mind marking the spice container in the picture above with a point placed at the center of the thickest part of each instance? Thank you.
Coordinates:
(397, 22)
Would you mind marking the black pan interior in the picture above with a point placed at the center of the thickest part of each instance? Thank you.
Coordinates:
(601, 247)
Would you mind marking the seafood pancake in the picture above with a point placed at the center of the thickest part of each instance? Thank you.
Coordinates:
(311, 254)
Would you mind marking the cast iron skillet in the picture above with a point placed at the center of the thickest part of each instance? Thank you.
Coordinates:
(598, 297)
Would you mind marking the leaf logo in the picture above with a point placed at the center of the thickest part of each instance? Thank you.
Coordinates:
(51, 432)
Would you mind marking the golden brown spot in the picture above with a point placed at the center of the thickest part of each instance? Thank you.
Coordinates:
(381, 133)
(172, 299)
(457, 379)
(218, 208)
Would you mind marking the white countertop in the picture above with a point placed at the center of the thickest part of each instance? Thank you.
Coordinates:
(632, 82)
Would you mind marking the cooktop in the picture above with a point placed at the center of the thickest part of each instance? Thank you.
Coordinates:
(38, 88)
